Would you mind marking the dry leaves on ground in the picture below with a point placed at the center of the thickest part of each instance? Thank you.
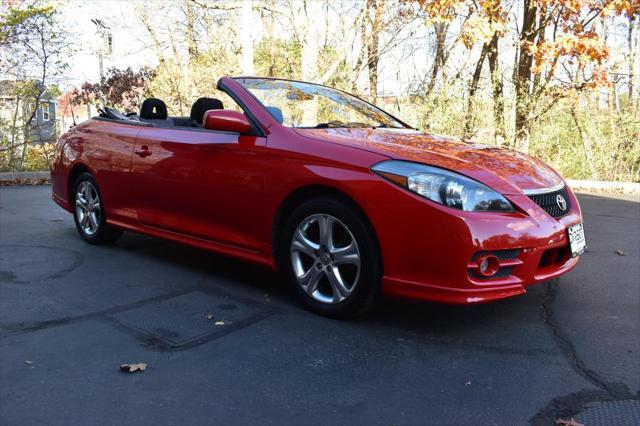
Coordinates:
(620, 253)
(568, 422)
(22, 182)
(130, 368)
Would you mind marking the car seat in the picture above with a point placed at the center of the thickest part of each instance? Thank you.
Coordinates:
(200, 107)
(154, 111)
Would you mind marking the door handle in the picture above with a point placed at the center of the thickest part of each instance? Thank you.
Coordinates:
(143, 151)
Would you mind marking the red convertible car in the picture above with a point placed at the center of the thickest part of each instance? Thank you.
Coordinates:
(343, 198)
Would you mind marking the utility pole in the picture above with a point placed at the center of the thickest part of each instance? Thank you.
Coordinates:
(105, 46)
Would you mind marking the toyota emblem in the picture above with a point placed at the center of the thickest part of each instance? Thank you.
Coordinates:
(562, 203)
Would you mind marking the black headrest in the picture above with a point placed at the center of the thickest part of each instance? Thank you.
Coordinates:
(203, 105)
(153, 109)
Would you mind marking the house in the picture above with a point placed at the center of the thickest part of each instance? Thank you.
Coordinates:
(16, 105)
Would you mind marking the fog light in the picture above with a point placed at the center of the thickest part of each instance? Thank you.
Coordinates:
(488, 265)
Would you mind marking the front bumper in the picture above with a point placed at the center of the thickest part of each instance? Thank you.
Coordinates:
(429, 250)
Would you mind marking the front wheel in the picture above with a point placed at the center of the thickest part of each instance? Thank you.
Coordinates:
(331, 256)
(89, 213)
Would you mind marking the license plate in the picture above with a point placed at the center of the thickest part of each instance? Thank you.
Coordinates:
(576, 239)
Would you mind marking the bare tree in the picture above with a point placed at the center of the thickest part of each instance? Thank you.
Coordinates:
(35, 49)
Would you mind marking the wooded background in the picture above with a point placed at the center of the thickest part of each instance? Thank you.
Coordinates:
(558, 79)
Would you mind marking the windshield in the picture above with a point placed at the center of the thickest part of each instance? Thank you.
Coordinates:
(297, 104)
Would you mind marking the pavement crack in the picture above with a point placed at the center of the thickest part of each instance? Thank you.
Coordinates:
(569, 405)
(7, 329)
(567, 347)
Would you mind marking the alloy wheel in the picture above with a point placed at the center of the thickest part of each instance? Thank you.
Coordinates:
(88, 208)
(325, 258)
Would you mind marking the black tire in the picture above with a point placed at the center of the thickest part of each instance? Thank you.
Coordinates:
(366, 290)
(104, 234)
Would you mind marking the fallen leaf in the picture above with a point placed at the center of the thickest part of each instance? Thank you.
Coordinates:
(28, 362)
(570, 422)
(210, 317)
(620, 253)
(130, 368)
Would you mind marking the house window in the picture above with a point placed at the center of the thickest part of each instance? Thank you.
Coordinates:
(44, 106)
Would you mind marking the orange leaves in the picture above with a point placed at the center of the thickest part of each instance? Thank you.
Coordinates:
(569, 38)
(583, 49)
(576, 50)
(561, 35)
(440, 10)
(479, 29)
(628, 8)
(599, 78)
(483, 18)
(587, 47)
(489, 11)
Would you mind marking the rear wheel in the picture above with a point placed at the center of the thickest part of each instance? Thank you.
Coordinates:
(89, 213)
(331, 257)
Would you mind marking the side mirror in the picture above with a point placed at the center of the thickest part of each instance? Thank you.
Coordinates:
(227, 121)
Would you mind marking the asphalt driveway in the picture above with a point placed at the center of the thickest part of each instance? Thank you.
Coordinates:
(71, 313)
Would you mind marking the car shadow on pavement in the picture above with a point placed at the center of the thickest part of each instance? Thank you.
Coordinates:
(450, 324)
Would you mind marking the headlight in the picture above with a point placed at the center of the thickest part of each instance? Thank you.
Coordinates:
(442, 186)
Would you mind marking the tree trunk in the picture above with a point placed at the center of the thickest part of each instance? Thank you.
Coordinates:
(523, 75)
(497, 89)
(374, 11)
(310, 46)
(441, 29)
(14, 131)
(144, 18)
(473, 87)
(363, 51)
(586, 143)
(192, 44)
(632, 58)
(313, 11)
(246, 37)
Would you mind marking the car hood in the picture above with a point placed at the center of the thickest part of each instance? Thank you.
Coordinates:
(504, 170)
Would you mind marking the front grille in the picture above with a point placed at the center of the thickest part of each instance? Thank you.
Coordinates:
(556, 256)
(504, 272)
(549, 202)
(500, 254)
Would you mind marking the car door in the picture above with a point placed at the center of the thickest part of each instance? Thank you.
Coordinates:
(106, 146)
(201, 183)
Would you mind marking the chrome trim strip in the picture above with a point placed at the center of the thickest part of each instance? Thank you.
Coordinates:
(543, 190)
